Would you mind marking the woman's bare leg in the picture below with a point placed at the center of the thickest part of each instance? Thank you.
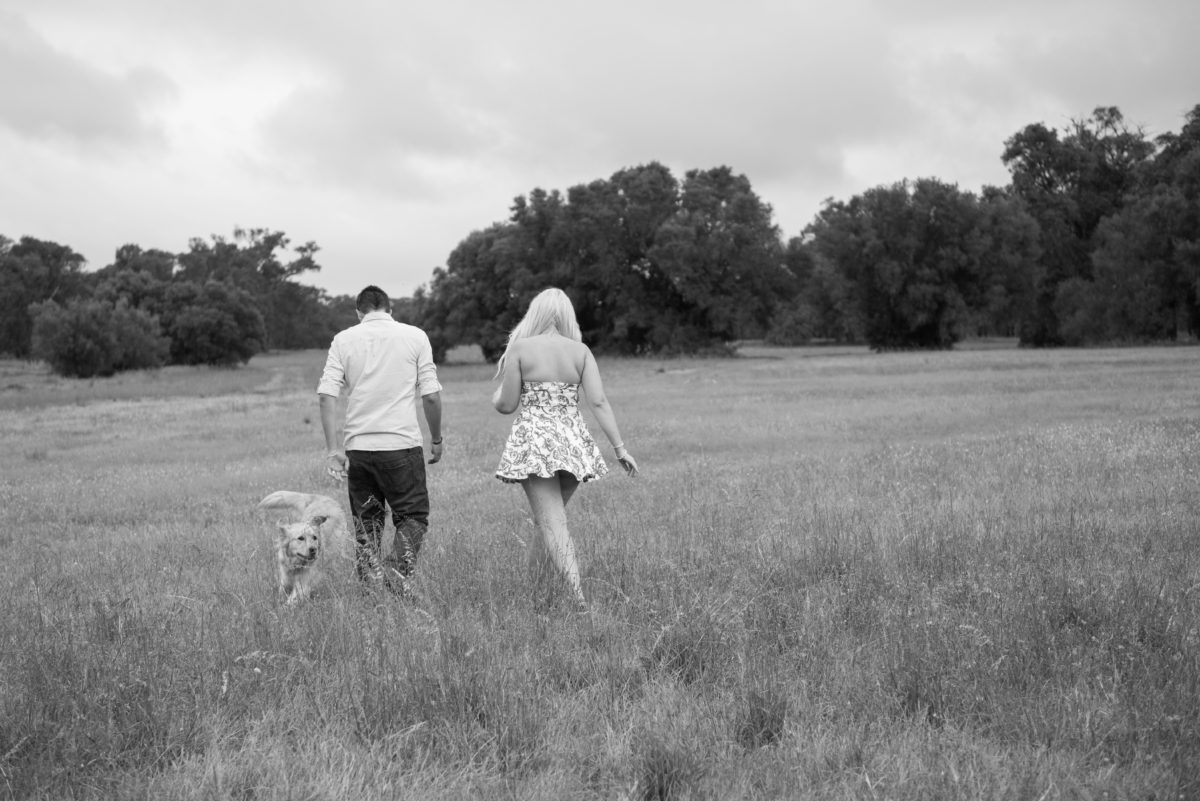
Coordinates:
(539, 564)
(546, 500)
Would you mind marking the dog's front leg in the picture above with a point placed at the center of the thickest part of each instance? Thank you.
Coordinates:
(297, 592)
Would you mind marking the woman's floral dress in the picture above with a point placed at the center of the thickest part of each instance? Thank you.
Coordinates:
(549, 435)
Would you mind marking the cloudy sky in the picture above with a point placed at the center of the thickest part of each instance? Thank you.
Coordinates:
(388, 131)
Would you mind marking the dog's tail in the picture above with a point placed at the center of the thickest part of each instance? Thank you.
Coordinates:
(285, 499)
(306, 506)
(323, 505)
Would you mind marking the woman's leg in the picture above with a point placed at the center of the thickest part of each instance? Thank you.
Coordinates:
(546, 500)
(539, 560)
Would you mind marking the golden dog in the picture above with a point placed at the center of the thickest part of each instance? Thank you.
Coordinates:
(303, 546)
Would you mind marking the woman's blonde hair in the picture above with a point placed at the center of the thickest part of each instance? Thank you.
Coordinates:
(551, 309)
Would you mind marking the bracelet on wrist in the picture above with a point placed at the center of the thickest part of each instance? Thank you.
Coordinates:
(619, 448)
(437, 441)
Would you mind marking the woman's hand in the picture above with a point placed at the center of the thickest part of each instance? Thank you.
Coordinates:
(627, 462)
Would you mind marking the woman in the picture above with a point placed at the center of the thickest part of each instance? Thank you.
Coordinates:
(550, 451)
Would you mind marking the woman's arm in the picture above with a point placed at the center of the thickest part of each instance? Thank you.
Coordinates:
(507, 396)
(593, 387)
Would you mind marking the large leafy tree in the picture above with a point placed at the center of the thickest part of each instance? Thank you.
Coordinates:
(603, 252)
(214, 323)
(1173, 179)
(254, 260)
(1070, 183)
(647, 197)
(212, 303)
(33, 271)
(912, 251)
(470, 300)
(590, 256)
(90, 337)
(1146, 266)
(649, 263)
(1009, 249)
(824, 307)
(722, 260)
(139, 277)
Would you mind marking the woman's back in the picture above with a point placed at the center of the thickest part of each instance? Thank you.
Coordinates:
(550, 357)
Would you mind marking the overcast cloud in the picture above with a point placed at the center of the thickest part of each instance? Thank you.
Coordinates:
(387, 132)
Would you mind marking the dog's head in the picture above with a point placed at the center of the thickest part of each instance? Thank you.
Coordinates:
(300, 543)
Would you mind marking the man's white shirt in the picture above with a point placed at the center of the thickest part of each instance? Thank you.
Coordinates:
(386, 366)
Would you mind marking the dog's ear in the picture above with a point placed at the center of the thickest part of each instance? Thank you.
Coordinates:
(318, 520)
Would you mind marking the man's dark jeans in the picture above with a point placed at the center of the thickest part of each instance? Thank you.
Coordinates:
(395, 478)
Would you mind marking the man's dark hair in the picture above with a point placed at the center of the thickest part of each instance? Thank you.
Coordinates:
(373, 299)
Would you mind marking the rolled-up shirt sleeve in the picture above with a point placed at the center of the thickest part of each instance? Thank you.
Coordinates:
(333, 377)
(427, 381)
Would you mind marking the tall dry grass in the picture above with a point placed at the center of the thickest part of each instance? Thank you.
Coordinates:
(957, 575)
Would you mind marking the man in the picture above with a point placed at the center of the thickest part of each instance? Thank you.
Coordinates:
(384, 366)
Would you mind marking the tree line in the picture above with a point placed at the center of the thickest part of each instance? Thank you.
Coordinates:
(218, 303)
(1096, 239)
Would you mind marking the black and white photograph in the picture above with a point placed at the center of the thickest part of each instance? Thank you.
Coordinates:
(653, 401)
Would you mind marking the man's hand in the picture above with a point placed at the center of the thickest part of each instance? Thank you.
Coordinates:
(336, 466)
(435, 451)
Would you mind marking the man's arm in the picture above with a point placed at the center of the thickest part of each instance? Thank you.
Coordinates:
(432, 406)
(335, 457)
(329, 389)
(329, 422)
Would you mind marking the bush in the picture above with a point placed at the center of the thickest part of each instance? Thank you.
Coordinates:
(791, 325)
(215, 324)
(88, 338)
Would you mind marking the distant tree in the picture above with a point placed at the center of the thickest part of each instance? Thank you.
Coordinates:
(474, 299)
(912, 251)
(833, 298)
(89, 337)
(649, 264)
(590, 256)
(1134, 293)
(608, 231)
(1146, 265)
(340, 313)
(1171, 182)
(1070, 184)
(1008, 255)
(131, 258)
(139, 277)
(251, 260)
(33, 271)
(721, 256)
(302, 316)
(824, 306)
(213, 323)
(795, 322)
(491, 276)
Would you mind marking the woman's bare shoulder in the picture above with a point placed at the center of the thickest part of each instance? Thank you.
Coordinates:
(550, 343)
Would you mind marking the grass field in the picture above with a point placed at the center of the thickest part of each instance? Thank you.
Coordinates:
(966, 574)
